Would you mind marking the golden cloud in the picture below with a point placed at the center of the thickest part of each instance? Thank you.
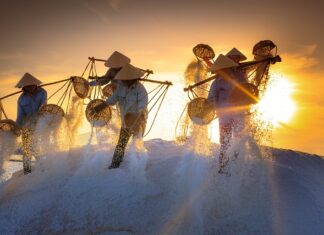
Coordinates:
(301, 60)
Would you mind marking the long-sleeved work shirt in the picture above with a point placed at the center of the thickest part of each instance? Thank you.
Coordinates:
(220, 92)
(28, 106)
(109, 76)
(133, 99)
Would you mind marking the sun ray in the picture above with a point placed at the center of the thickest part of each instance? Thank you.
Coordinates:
(277, 106)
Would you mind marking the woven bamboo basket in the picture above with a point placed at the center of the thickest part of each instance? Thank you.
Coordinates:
(108, 90)
(99, 117)
(81, 87)
(52, 109)
(204, 51)
(8, 125)
(201, 111)
(264, 48)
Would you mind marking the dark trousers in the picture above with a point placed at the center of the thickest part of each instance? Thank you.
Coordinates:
(118, 156)
(27, 146)
(225, 133)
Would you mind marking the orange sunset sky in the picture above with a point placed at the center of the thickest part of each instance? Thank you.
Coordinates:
(53, 39)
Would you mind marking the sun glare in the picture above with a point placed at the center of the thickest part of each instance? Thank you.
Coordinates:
(277, 105)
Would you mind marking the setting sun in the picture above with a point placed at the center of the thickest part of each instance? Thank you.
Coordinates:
(277, 105)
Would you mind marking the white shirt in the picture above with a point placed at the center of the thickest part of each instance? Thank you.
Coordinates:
(133, 99)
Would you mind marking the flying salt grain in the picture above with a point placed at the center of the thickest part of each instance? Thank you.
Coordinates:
(8, 144)
(199, 137)
(75, 117)
(137, 159)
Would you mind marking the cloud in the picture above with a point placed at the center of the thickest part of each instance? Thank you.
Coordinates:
(301, 59)
(306, 49)
(114, 4)
(10, 79)
(15, 56)
(97, 12)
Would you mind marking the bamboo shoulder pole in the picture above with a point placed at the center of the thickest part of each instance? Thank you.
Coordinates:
(60, 81)
(101, 60)
(12, 94)
(95, 59)
(275, 59)
(46, 84)
(199, 83)
(155, 81)
(241, 66)
(145, 80)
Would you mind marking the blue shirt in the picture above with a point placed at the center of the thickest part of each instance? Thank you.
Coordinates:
(28, 105)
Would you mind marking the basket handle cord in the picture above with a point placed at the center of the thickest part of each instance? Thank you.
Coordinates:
(2, 111)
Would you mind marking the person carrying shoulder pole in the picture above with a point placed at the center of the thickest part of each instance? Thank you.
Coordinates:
(29, 103)
(131, 98)
(219, 94)
(240, 76)
(115, 62)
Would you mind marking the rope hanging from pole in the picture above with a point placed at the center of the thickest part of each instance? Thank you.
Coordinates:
(43, 85)
(2, 111)
(158, 101)
(93, 59)
(243, 94)
(108, 90)
(162, 97)
(48, 108)
(185, 130)
(78, 84)
(9, 125)
(242, 66)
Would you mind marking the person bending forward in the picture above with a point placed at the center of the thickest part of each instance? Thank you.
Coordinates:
(132, 100)
(29, 103)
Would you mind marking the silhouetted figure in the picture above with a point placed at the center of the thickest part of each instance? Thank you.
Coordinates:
(132, 99)
(29, 103)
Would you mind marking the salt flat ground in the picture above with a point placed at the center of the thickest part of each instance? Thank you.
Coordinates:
(168, 189)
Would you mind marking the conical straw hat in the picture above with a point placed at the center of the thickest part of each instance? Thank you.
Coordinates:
(129, 72)
(235, 52)
(28, 80)
(117, 60)
(222, 62)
